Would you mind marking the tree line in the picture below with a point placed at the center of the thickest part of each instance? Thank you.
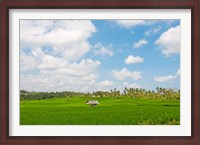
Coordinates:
(159, 93)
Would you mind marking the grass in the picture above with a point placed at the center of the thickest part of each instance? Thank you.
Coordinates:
(121, 111)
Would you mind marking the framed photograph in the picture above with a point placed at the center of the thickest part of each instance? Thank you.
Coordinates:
(100, 72)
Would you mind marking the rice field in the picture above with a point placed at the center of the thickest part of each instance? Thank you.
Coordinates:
(119, 111)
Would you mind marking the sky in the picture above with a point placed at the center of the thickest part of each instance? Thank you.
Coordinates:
(99, 55)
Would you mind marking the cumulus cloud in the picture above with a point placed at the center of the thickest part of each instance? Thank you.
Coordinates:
(85, 67)
(106, 83)
(140, 43)
(50, 62)
(27, 62)
(169, 41)
(124, 74)
(102, 50)
(134, 85)
(133, 59)
(167, 78)
(130, 23)
(71, 77)
(164, 78)
(125, 84)
(54, 60)
(65, 37)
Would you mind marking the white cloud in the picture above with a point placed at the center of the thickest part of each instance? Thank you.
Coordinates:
(50, 62)
(164, 78)
(132, 23)
(85, 67)
(61, 67)
(27, 62)
(168, 78)
(169, 41)
(68, 38)
(102, 50)
(125, 84)
(72, 77)
(124, 74)
(152, 31)
(140, 43)
(54, 82)
(134, 86)
(106, 83)
(133, 59)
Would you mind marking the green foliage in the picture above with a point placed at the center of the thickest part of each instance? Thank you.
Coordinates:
(117, 111)
(160, 93)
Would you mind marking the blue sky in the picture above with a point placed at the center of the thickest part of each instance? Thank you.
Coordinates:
(91, 55)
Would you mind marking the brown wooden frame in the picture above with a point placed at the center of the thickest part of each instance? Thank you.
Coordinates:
(194, 5)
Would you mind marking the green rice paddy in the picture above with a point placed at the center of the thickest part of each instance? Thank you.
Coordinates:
(119, 111)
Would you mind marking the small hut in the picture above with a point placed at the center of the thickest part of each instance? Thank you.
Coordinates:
(92, 102)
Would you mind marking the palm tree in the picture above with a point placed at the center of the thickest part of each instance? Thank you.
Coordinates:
(124, 92)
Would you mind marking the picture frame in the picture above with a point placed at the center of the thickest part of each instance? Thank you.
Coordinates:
(7, 5)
